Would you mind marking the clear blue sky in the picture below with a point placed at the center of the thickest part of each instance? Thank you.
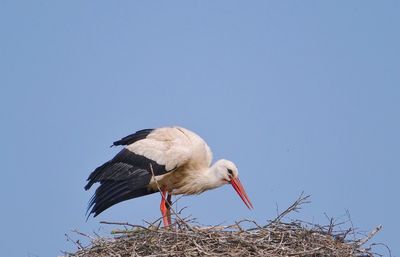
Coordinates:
(302, 95)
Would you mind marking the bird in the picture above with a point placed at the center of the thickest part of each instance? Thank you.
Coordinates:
(170, 160)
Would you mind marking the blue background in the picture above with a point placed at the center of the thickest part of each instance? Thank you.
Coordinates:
(301, 95)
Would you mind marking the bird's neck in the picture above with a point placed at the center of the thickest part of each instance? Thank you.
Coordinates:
(199, 181)
(213, 178)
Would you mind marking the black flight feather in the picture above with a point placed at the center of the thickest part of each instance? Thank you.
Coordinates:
(106, 199)
(124, 177)
(132, 138)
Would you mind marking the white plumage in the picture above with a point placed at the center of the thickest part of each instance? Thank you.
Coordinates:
(173, 147)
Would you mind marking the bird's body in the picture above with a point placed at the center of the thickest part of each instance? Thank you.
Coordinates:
(172, 160)
(184, 154)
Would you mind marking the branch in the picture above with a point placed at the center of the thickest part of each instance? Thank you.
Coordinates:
(369, 236)
(296, 206)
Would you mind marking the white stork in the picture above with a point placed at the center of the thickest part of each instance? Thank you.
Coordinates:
(172, 160)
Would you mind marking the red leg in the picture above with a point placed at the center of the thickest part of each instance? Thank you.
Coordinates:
(169, 203)
(163, 207)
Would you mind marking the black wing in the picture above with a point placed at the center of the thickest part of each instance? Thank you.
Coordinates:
(124, 177)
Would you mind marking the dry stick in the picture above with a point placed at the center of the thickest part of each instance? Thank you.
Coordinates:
(76, 243)
(294, 207)
(159, 188)
(82, 234)
(351, 222)
(370, 235)
(119, 223)
(152, 224)
(124, 224)
(249, 221)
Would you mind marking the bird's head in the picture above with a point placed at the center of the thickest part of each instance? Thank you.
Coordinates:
(228, 173)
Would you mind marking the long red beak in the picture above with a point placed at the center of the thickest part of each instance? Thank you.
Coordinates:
(241, 192)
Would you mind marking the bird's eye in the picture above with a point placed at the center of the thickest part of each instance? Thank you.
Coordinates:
(230, 172)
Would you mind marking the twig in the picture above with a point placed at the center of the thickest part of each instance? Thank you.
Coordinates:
(77, 242)
(294, 207)
(123, 224)
(369, 236)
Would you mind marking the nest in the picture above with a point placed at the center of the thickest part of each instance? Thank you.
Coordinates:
(244, 238)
